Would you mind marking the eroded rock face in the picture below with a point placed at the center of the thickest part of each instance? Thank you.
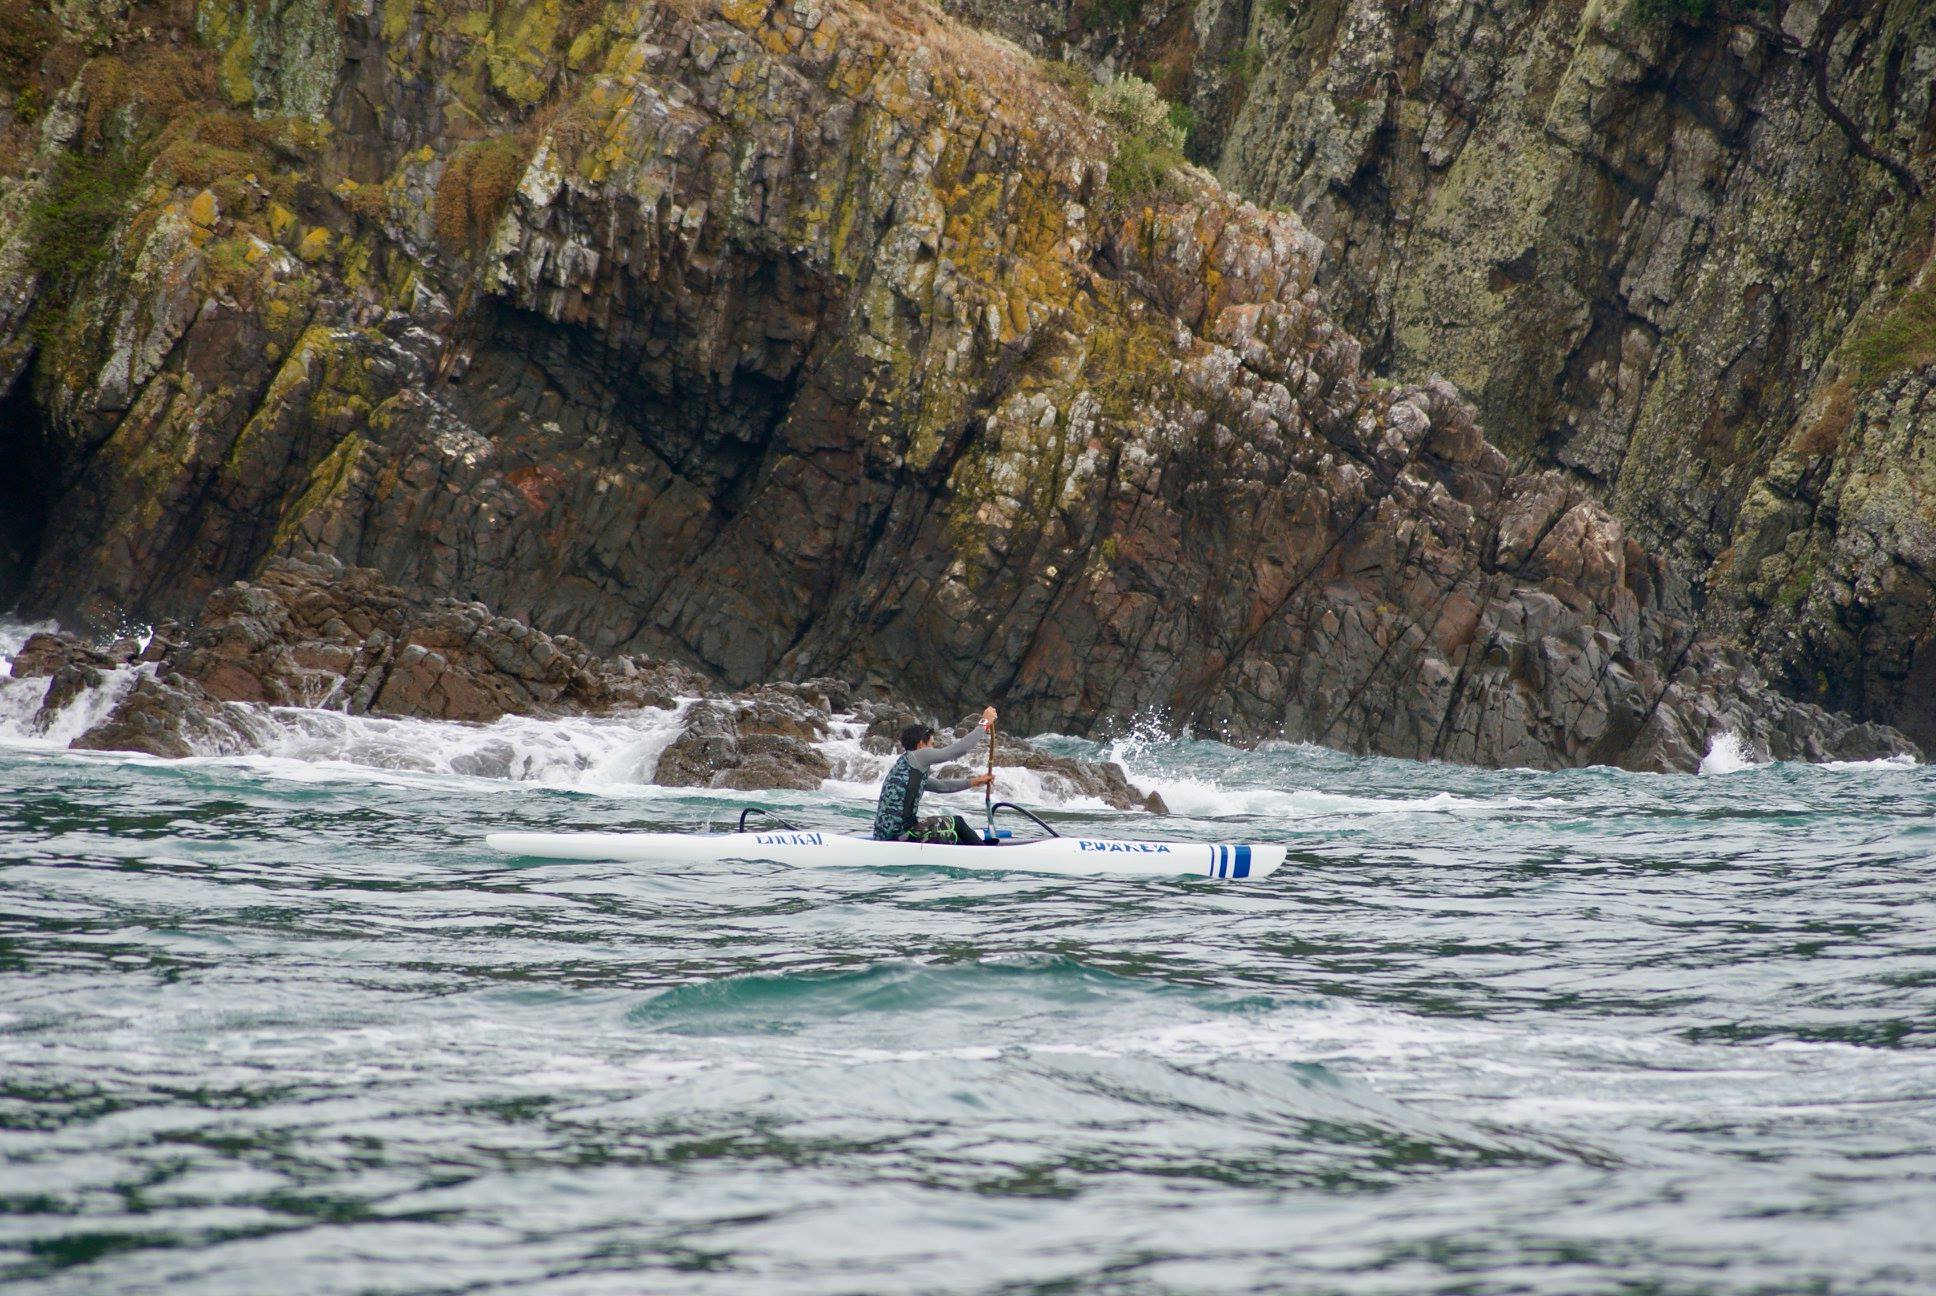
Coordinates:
(1655, 259)
(1641, 242)
(1633, 241)
(906, 394)
(1832, 575)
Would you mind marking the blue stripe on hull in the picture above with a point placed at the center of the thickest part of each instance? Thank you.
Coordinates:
(1229, 862)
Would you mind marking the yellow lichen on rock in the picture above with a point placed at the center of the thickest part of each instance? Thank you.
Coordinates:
(326, 484)
(203, 212)
(230, 34)
(519, 57)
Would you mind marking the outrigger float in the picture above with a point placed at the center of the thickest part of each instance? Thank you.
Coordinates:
(1070, 856)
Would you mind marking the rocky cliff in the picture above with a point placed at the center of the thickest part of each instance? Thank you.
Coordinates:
(1677, 249)
(783, 340)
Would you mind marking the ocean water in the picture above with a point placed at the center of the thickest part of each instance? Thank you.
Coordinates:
(279, 1023)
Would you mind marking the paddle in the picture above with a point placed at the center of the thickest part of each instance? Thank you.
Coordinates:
(988, 790)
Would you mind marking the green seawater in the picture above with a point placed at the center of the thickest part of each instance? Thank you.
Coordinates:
(281, 1024)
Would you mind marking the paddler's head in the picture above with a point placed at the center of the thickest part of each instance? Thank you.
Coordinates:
(916, 736)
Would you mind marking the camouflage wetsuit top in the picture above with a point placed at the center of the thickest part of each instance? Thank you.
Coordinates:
(901, 791)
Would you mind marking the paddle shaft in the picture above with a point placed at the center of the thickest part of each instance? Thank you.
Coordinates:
(988, 792)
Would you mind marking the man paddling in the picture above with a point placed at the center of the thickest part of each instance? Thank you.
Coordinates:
(896, 818)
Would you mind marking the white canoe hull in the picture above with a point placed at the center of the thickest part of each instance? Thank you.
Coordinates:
(1075, 856)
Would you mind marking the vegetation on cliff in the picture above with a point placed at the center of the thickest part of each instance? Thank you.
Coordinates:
(1903, 338)
(1149, 133)
(476, 187)
(69, 224)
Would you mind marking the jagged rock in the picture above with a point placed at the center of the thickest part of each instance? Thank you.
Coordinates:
(1104, 780)
(707, 745)
(746, 742)
(787, 763)
(885, 723)
(772, 710)
(173, 717)
(312, 632)
(68, 683)
(70, 667)
(732, 746)
(48, 654)
(825, 692)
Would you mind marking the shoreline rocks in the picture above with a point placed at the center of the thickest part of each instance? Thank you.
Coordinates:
(311, 632)
(314, 633)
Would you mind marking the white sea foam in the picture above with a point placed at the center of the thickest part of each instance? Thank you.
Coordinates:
(13, 634)
(20, 699)
(589, 753)
(1231, 796)
(1901, 761)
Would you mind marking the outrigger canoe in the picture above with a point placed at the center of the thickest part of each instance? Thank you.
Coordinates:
(1076, 856)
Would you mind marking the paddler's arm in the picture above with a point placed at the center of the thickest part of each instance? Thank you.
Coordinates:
(926, 758)
(956, 785)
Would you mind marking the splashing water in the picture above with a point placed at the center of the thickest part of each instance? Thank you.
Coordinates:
(1727, 755)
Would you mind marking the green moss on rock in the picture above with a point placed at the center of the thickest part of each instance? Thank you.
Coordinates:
(70, 227)
(275, 59)
(1903, 339)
